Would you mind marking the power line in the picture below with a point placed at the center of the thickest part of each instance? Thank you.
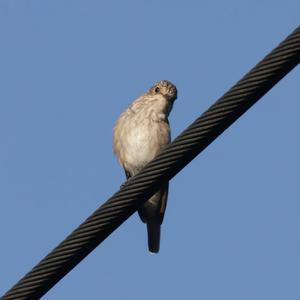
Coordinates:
(175, 157)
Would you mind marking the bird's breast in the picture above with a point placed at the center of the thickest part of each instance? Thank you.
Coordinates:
(141, 141)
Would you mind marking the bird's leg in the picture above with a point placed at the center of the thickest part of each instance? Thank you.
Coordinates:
(128, 176)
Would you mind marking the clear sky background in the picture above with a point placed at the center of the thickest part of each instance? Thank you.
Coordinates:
(69, 68)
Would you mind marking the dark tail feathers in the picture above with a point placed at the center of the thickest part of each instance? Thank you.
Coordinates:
(153, 229)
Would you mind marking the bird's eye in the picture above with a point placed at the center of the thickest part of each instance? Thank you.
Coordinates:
(157, 90)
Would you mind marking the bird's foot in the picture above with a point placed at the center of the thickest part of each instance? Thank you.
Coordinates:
(124, 183)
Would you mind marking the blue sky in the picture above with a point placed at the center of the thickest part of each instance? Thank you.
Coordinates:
(69, 68)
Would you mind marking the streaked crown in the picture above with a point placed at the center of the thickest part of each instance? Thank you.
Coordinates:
(165, 88)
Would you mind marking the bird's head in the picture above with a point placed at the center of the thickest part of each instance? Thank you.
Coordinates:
(166, 89)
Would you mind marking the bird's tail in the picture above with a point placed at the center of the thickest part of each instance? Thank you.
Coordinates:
(153, 229)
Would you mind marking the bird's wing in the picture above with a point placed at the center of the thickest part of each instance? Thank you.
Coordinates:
(164, 199)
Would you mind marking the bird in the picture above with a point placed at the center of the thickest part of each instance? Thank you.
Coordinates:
(141, 132)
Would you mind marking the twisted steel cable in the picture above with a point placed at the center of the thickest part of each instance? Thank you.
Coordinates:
(175, 157)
